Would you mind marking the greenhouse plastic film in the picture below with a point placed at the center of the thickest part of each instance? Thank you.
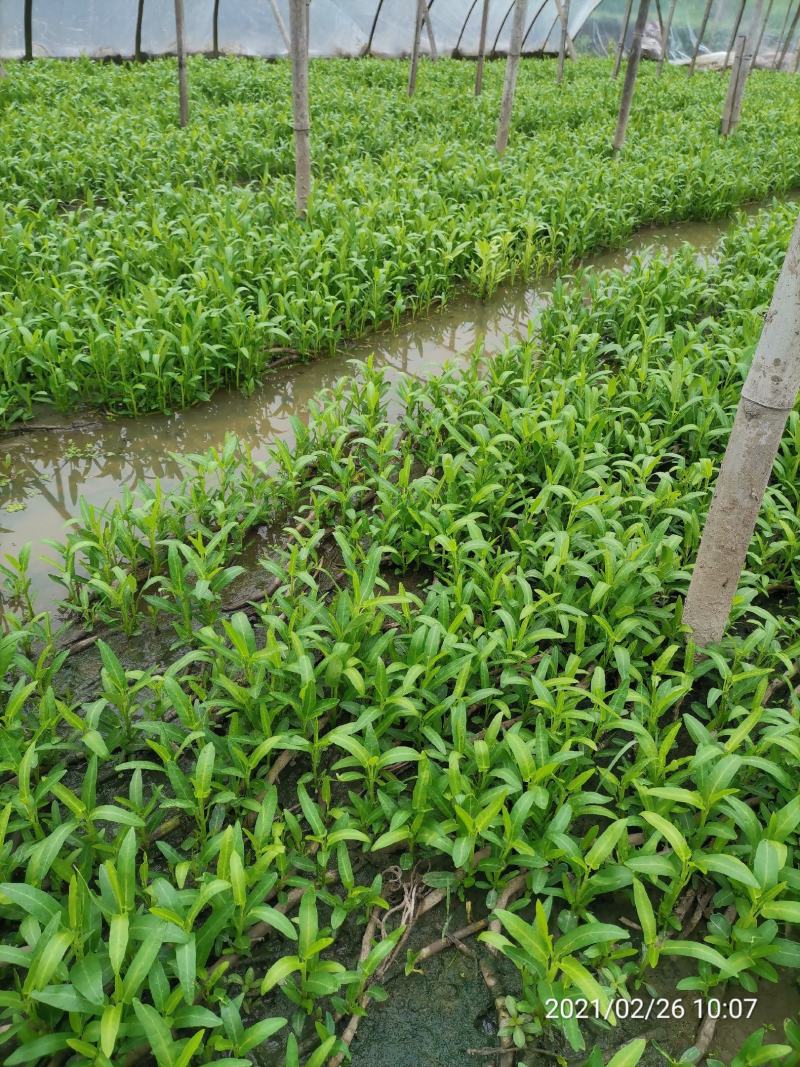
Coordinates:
(248, 27)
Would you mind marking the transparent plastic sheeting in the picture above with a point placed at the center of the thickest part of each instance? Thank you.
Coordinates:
(248, 27)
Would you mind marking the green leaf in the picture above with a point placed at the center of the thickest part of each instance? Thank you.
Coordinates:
(274, 918)
(629, 1055)
(318, 1058)
(770, 859)
(644, 910)
(605, 844)
(308, 924)
(46, 963)
(139, 967)
(32, 901)
(728, 866)
(670, 833)
(111, 813)
(39, 1048)
(279, 971)
(259, 1033)
(585, 982)
(204, 771)
(157, 1033)
(65, 998)
(186, 968)
(784, 911)
(697, 950)
(117, 941)
(589, 934)
(109, 1028)
(525, 935)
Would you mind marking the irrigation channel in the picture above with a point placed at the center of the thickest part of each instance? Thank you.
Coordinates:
(53, 463)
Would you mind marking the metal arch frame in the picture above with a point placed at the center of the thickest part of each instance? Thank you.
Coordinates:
(368, 48)
(533, 22)
(463, 28)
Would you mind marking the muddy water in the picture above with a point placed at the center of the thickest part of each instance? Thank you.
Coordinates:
(47, 471)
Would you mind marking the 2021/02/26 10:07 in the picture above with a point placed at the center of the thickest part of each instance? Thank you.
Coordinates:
(653, 1008)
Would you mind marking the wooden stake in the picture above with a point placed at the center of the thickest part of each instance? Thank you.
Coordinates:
(137, 44)
(412, 72)
(215, 30)
(429, 31)
(665, 37)
(700, 36)
(512, 67)
(183, 87)
(562, 7)
(281, 25)
(735, 33)
(28, 27)
(733, 87)
(767, 399)
(621, 45)
(748, 60)
(481, 48)
(298, 30)
(631, 72)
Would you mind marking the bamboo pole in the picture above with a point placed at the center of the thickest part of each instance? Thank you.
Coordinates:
(781, 35)
(28, 29)
(767, 398)
(298, 30)
(748, 60)
(481, 48)
(512, 68)
(563, 14)
(282, 25)
(631, 71)
(737, 23)
(137, 44)
(665, 37)
(215, 30)
(733, 86)
(180, 41)
(621, 44)
(789, 36)
(571, 50)
(700, 36)
(412, 70)
(764, 21)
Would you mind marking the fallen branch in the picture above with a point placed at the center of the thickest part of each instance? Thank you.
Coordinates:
(507, 1055)
(349, 1031)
